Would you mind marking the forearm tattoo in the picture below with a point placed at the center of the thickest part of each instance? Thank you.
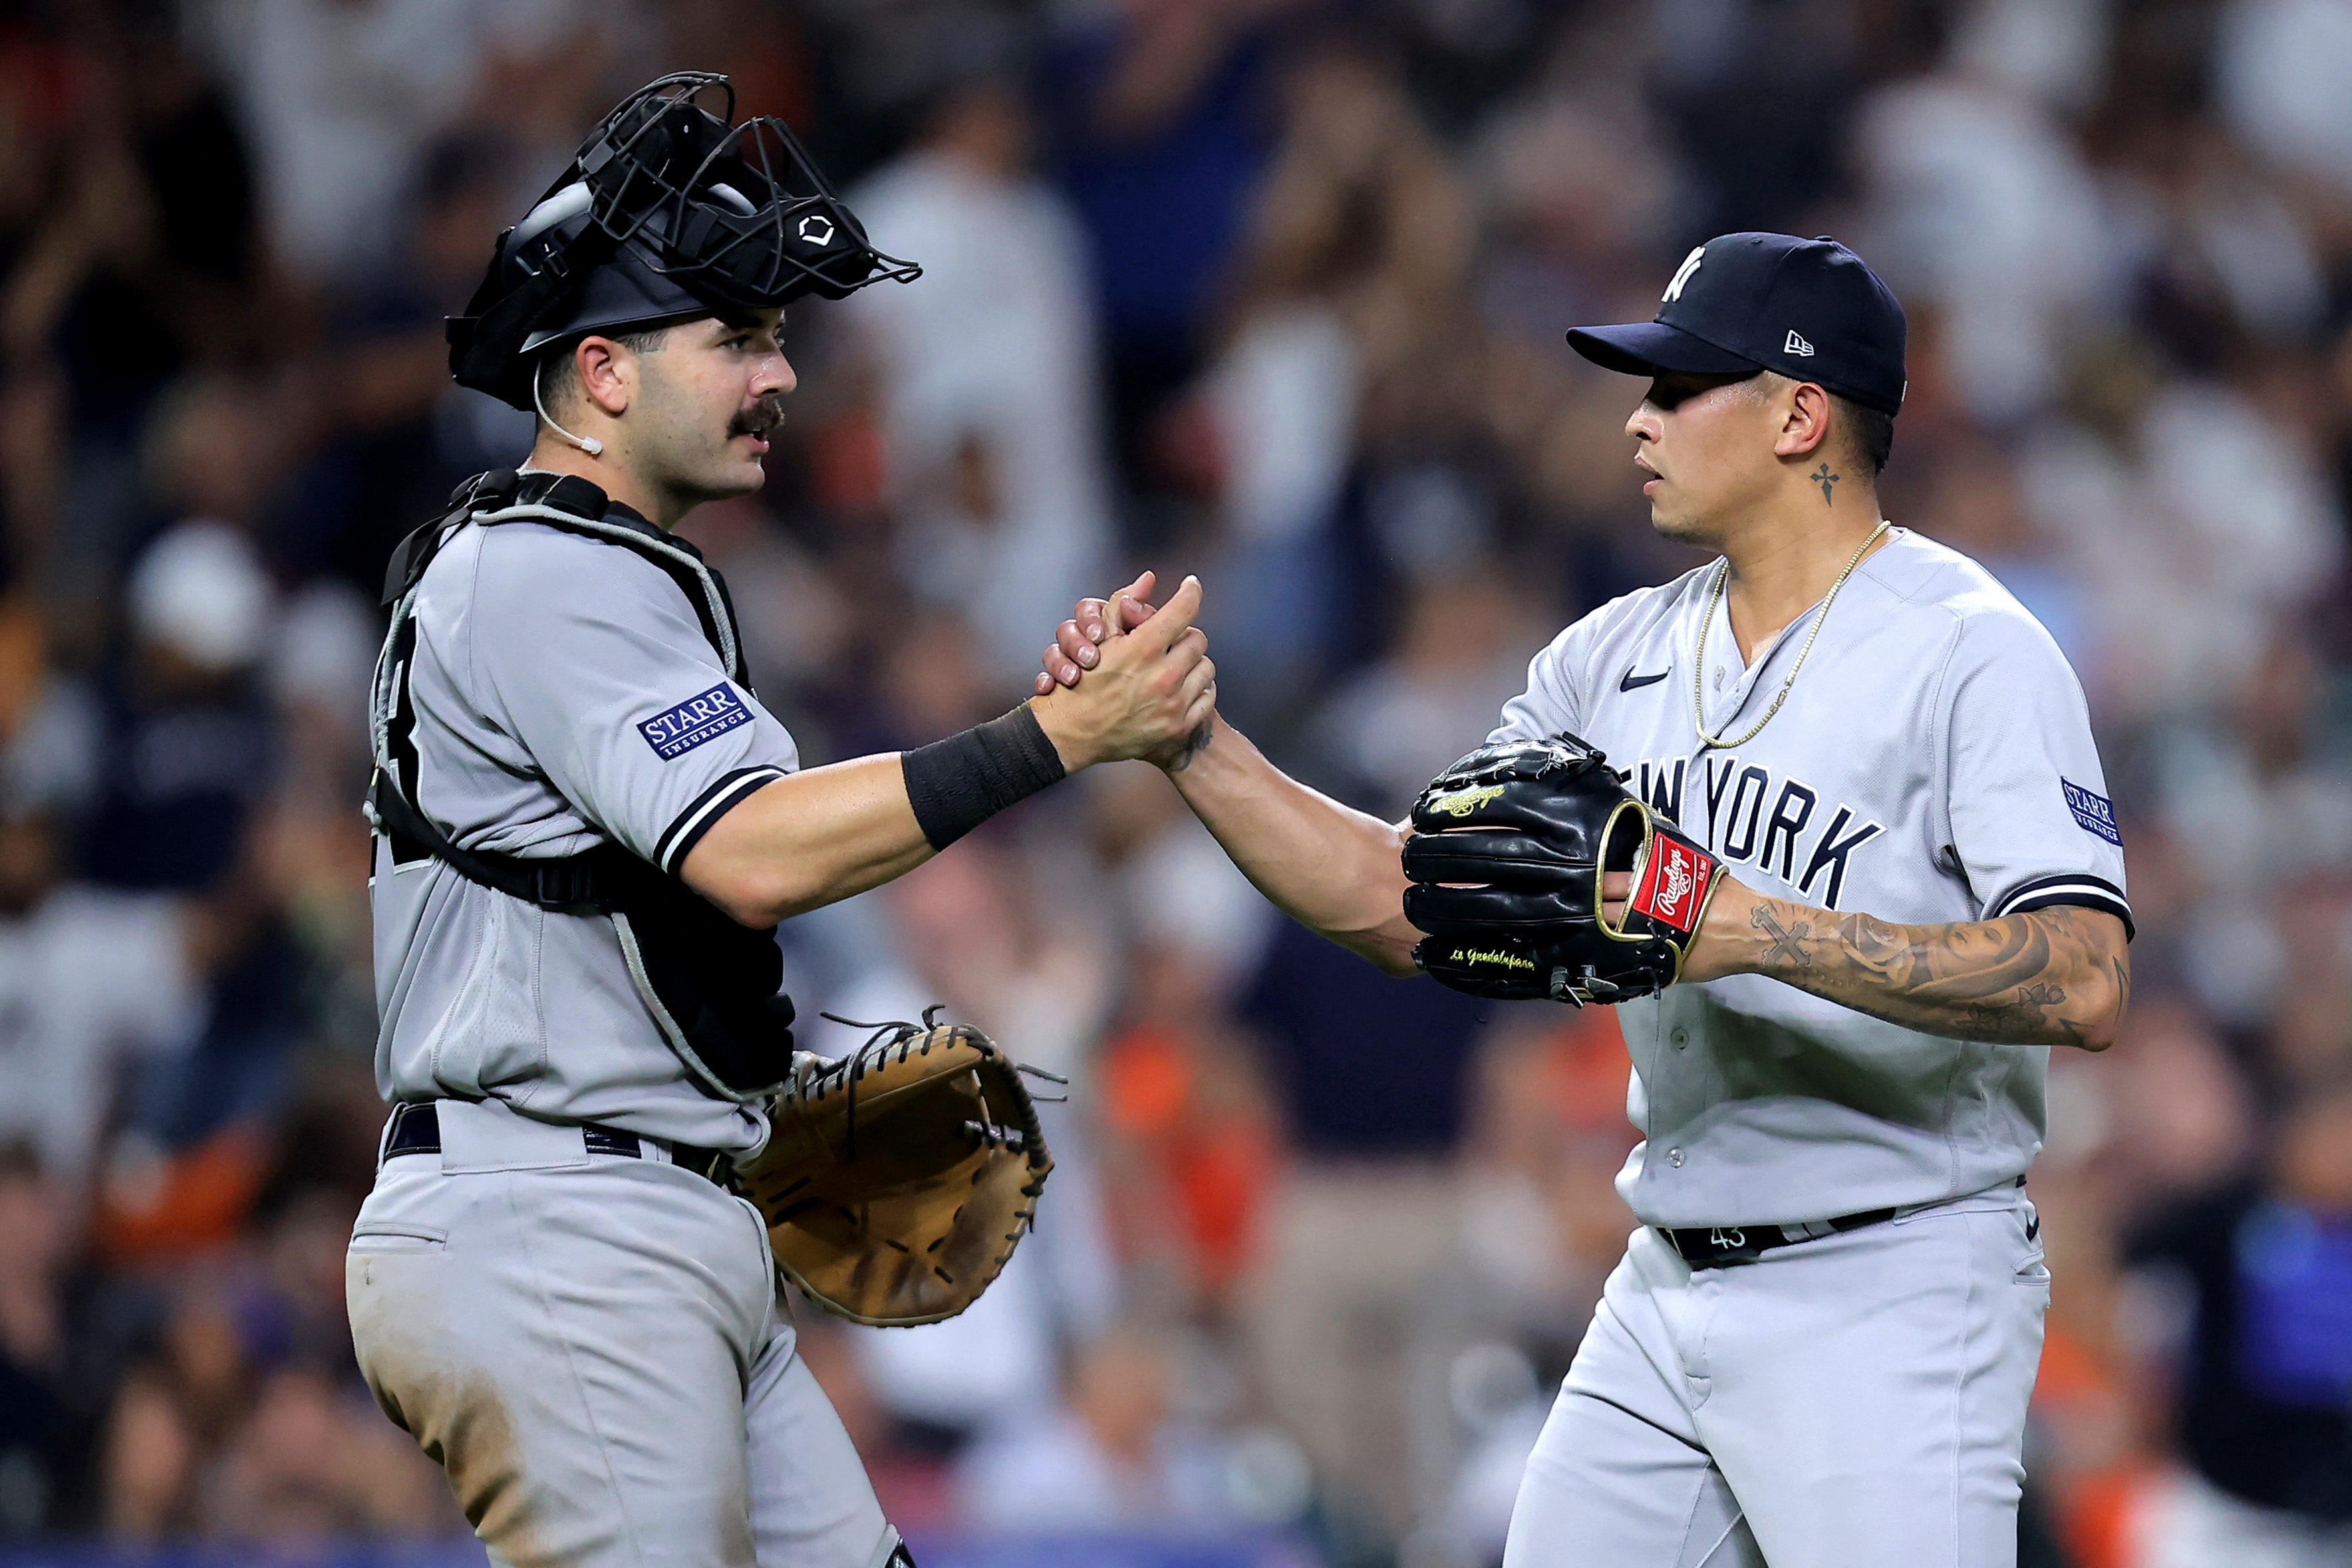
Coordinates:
(2047, 977)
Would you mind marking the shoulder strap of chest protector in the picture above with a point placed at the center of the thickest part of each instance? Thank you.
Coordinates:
(709, 984)
(595, 880)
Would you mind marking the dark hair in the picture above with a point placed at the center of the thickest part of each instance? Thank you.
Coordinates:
(1869, 432)
(563, 370)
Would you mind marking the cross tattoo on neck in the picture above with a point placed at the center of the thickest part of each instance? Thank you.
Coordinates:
(1824, 478)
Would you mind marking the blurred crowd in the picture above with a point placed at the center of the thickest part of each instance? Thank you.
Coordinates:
(1271, 290)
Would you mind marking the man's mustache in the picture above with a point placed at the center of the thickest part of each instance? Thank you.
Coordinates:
(760, 418)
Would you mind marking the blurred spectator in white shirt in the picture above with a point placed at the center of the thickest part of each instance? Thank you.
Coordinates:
(2279, 75)
(2196, 521)
(1980, 205)
(1111, 1456)
(1351, 301)
(990, 386)
(1176, 888)
(2257, 805)
(340, 98)
(91, 984)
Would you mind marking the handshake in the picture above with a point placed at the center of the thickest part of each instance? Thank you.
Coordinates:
(1151, 688)
(1527, 870)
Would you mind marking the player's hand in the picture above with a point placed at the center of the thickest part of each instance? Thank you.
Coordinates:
(1153, 686)
(1616, 887)
(1077, 643)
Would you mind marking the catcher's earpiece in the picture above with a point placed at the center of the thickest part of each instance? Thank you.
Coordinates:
(591, 445)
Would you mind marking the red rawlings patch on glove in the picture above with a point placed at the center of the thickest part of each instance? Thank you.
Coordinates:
(1673, 886)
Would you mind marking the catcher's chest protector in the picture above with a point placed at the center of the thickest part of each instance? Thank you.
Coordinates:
(710, 985)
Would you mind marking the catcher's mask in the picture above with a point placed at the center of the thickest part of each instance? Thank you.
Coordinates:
(668, 212)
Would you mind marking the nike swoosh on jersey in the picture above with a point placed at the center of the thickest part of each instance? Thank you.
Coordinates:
(1631, 682)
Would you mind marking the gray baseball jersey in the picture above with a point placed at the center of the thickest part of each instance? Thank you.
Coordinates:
(1933, 764)
(562, 693)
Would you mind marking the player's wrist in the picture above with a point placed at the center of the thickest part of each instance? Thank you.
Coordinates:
(1074, 741)
(956, 784)
(1177, 756)
(1724, 945)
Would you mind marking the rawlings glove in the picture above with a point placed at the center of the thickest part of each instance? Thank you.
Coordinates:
(897, 1181)
(1508, 851)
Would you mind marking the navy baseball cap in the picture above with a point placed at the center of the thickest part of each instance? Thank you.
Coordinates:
(1808, 309)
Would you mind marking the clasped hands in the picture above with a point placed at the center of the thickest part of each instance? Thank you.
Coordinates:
(1151, 685)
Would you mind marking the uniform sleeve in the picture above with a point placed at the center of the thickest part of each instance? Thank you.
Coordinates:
(1551, 702)
(598, 666)
(2025, 799)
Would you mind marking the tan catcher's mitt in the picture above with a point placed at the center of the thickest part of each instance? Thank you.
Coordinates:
(897, 1181)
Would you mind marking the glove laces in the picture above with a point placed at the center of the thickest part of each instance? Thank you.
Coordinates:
(900, 1034)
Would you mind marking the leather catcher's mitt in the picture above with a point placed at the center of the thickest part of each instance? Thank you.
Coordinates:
(1509, 846)
(897, 1181)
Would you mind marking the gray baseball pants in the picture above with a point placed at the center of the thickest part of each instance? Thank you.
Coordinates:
(592, 1346)
(1855, 1400)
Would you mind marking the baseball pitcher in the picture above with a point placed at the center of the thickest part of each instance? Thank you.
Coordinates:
(1824, 816)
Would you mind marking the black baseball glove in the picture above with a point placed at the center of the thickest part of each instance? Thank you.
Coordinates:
(1509, 846)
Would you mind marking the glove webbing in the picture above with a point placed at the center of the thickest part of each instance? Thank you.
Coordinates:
(898, 1032)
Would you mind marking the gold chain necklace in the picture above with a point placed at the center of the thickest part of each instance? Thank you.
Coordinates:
(1698, 674)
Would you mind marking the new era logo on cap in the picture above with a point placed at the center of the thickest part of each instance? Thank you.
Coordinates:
(1797, 345)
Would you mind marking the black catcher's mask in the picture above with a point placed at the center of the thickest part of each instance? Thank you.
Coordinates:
(668, 212)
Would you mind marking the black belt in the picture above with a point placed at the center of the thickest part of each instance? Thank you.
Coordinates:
(1713, 1245)
(416, 1130)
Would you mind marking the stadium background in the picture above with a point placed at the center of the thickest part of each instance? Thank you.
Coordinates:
(1272, 291)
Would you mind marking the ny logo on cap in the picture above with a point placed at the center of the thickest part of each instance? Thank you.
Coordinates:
(1682, 275)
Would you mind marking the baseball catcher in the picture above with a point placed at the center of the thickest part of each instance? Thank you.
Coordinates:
(587, 828)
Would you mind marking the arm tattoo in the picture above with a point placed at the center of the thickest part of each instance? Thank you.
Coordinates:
(1194, 744)
(1788, 942)
(2052, 976)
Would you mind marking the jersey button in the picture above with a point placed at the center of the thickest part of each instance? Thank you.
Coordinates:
(1680, 1036)
(1675, 1159)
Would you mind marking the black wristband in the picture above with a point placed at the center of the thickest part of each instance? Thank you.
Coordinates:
(957, 784)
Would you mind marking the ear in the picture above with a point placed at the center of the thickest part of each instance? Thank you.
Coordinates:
(1804, 420)
(608, 374)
